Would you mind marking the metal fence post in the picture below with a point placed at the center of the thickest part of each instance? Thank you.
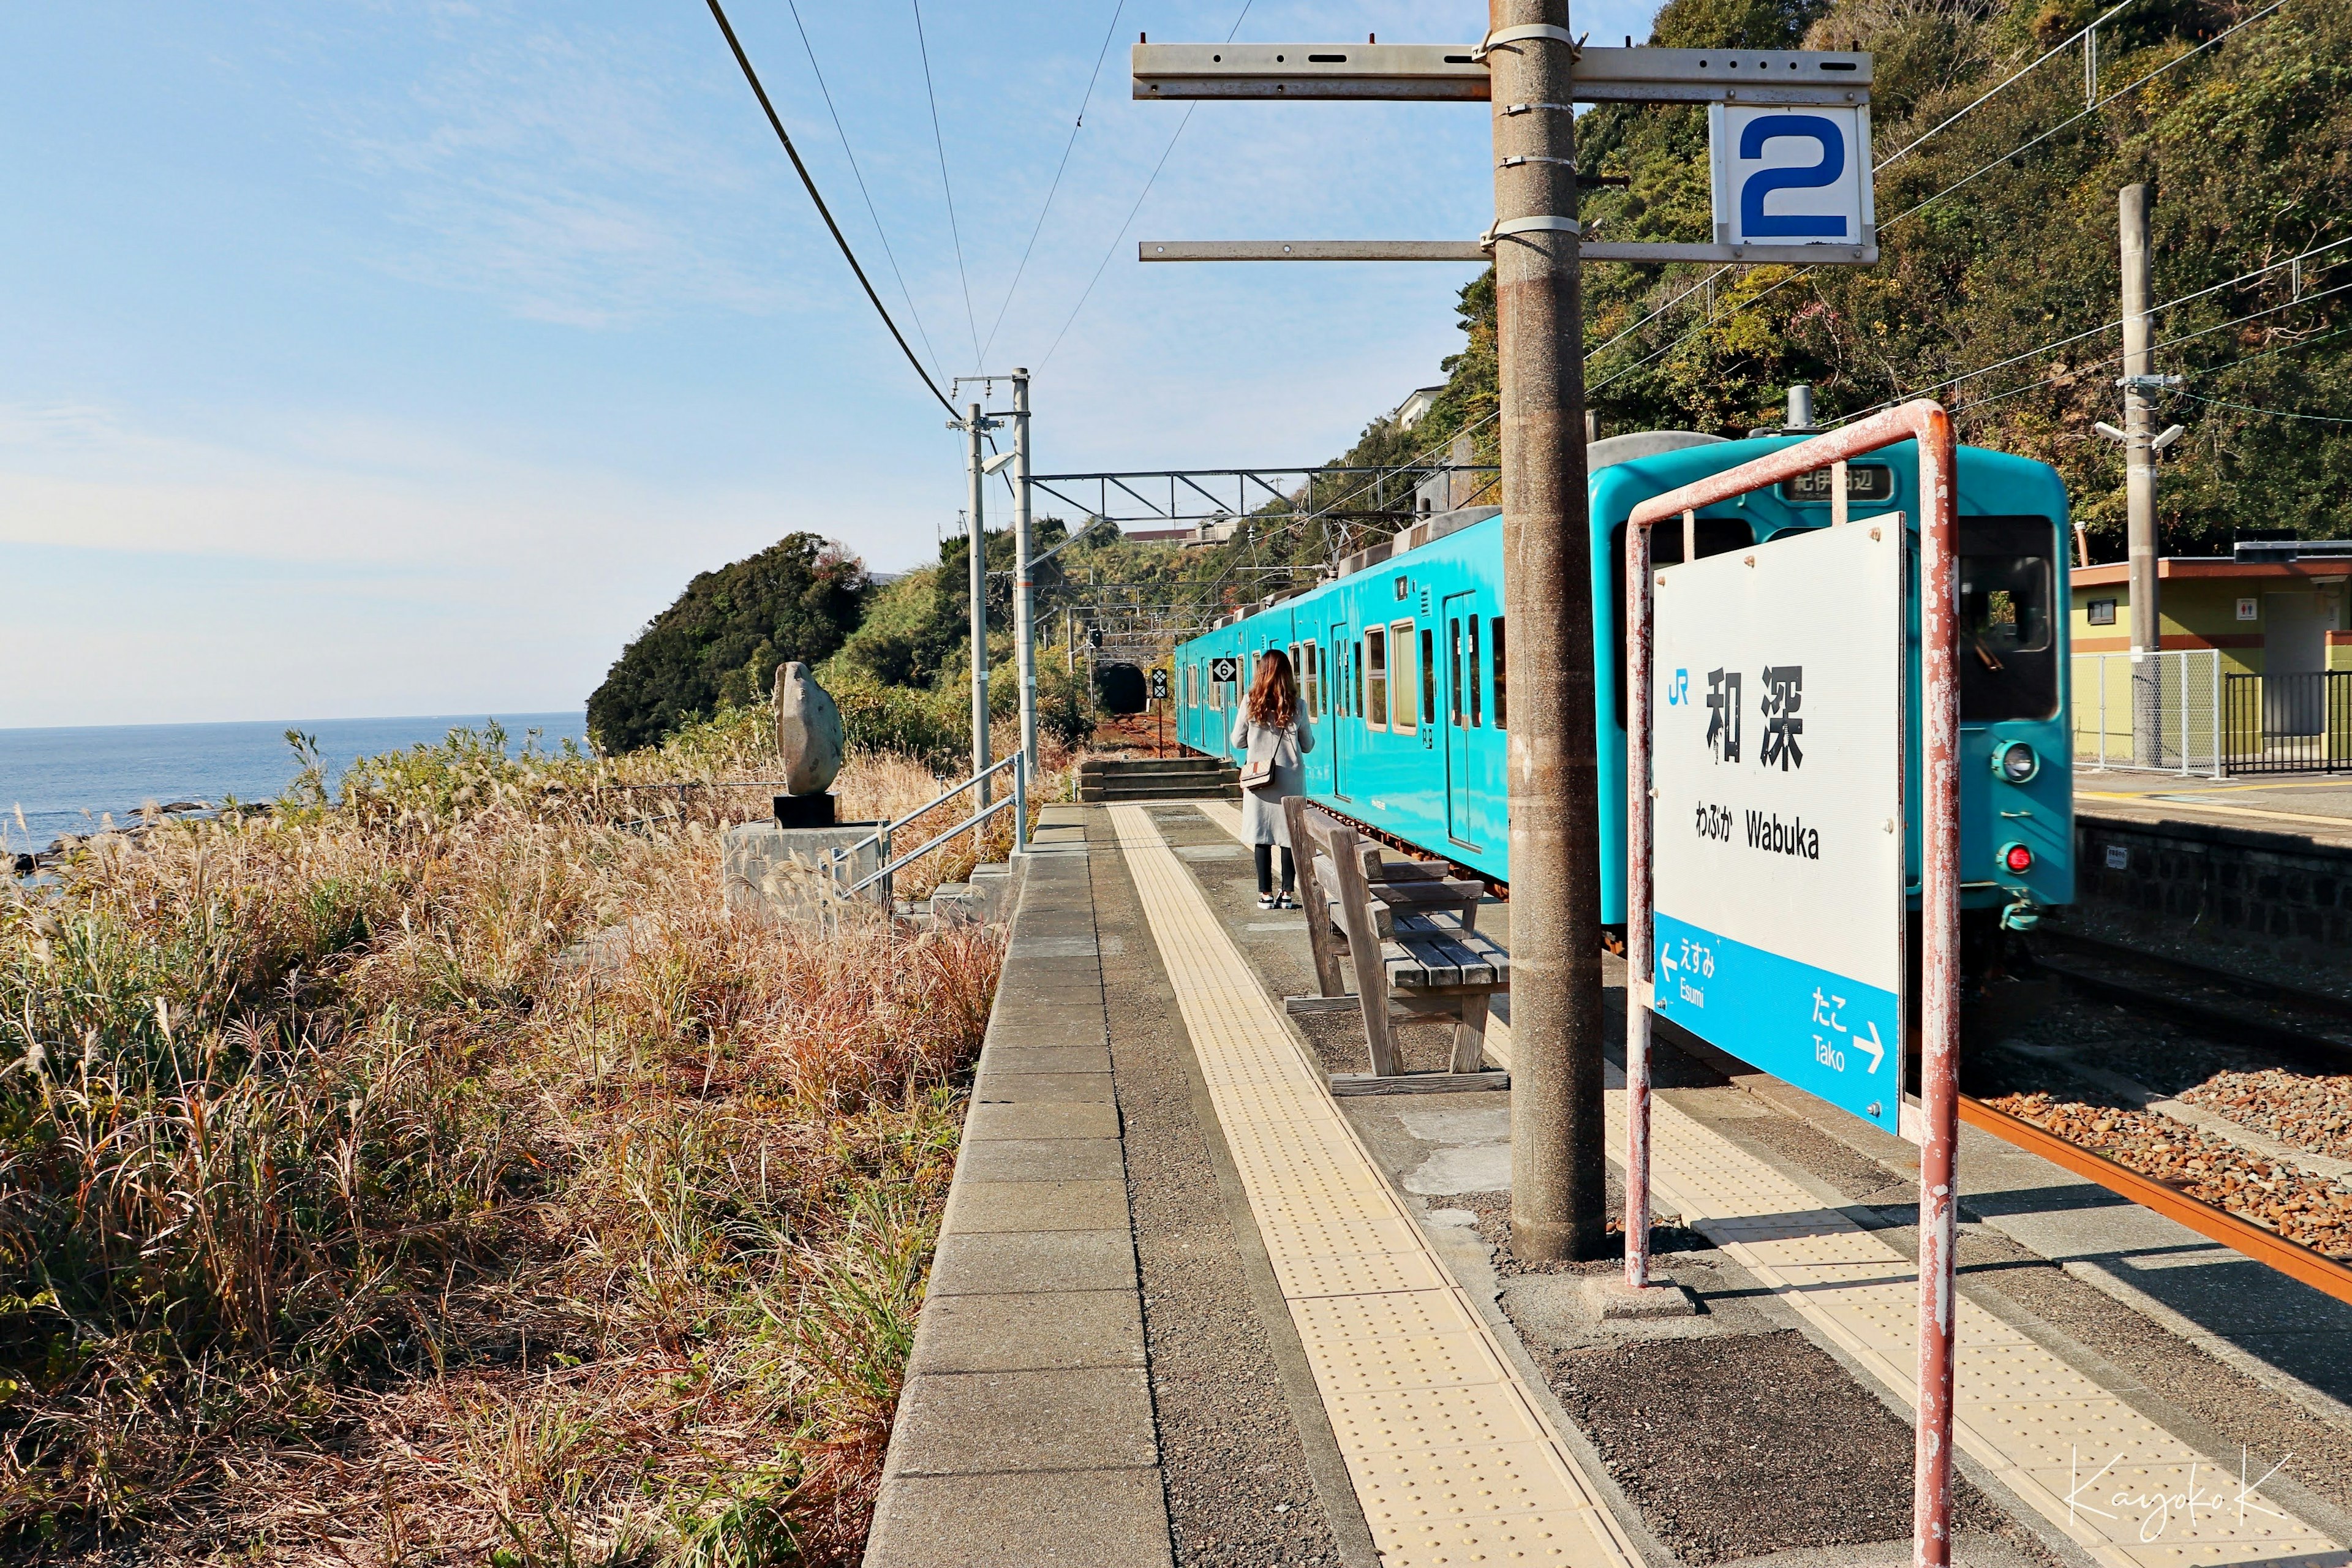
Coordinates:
(1021, 806)
(890, 891)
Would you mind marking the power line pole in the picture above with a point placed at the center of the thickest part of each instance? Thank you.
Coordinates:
(1025, 589)
(1559, 1194)
(974, 428)
(2139, 487)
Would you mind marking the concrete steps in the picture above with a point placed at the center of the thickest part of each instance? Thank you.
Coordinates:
(1107, 781)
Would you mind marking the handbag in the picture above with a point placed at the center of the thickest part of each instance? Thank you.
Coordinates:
(1257, 772)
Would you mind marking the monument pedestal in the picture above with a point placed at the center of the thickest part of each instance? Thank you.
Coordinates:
(789, 873)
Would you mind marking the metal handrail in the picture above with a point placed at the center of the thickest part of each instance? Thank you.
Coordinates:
(877, 835)
(964, 826)
(1018, 800)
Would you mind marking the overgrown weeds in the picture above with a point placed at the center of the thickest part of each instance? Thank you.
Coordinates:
(354, 1207)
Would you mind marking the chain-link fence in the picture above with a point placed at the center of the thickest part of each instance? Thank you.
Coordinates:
(2161, 713)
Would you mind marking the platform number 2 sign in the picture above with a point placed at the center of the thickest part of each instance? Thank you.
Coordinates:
(1791, 176)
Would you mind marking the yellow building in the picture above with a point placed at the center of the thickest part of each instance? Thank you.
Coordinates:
(2268, 612)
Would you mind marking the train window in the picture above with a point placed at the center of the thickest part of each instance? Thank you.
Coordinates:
(1376, 678)
(1402, 687)
(2009, 663)
(1429, 676)
(1495, 646)
(1473, 671)
(1716, 535)
(1453, 669)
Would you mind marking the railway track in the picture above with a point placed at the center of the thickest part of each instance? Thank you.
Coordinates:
(2216, 1130)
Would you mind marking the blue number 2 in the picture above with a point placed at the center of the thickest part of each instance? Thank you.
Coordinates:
(1754, 222)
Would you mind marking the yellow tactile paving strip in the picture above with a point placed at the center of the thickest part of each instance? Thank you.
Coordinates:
(1451, 1458)
(2045, 1428)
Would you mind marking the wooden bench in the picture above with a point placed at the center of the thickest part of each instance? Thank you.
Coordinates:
(1408, 934)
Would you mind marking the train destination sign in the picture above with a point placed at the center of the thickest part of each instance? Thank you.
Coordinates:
(1864, 482)
(1778, 858)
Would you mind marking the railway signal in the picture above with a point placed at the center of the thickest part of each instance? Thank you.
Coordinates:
(1792, 183)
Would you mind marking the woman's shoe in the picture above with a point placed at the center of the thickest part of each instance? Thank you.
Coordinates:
(1266, 901)
(1285, 902)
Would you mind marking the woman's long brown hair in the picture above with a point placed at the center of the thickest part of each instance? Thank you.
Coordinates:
(1274, 695)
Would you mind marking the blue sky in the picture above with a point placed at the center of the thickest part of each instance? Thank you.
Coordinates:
(405, 356)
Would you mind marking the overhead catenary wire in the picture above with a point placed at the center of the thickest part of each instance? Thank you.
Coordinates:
(859, 175)
(939, 141)
(2117, 358)
(777, 124)
(1067, 148)
(2267, 413)
(1934, 387)
(1149, 180)
(1920, 206)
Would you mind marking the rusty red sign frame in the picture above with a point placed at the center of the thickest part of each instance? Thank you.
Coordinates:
(1927, 422)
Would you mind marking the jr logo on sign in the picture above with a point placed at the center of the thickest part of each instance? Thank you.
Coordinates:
(1791, 176)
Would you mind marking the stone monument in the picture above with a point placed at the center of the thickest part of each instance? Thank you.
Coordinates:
(800, 864)
(808, 741)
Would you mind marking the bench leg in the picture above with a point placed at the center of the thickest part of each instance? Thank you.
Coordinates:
(1470, 1036)
(1377, 1037)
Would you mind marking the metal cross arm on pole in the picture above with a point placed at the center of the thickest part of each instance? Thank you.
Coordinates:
(1459, 73)
(1481, 252)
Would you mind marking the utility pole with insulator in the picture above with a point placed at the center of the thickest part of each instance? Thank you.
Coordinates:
(2139, 488)
(1025, 588)
(974, 428)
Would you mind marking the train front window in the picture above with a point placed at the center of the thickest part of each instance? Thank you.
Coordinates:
(2008, 661)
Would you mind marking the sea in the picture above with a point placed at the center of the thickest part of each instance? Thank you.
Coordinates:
(70, 779)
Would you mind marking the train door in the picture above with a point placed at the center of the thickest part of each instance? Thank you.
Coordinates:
(1458, 626)
(1343, 670)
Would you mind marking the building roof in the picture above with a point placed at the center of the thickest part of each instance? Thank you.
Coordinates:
(2116, 573)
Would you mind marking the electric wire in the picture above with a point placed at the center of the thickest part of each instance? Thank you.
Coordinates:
(947, 185)
(777, 124)
(1087, 291)
(1067, 148)
(1979, 101)
(1930, 201)
(859, 175)
(1949, 382)
(2268, 413)
(2118, 357)
(2090, 109)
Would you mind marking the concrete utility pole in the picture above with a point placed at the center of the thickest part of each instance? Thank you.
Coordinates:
(974, 428)
(1024, 590)
(2139, 487)
(1559, 1194)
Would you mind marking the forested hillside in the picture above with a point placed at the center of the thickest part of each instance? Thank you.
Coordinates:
(1997, 233)
(1997, 293)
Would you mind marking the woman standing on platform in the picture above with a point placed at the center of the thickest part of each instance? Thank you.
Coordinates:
(1273, 736)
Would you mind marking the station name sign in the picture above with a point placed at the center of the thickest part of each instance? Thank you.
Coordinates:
(1777, 863)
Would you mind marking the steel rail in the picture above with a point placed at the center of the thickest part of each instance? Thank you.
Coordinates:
(2292, 1258)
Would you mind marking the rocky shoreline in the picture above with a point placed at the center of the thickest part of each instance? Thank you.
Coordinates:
(138, 821)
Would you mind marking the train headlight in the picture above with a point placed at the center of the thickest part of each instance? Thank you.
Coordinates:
(2016, 859)
(2015, 762)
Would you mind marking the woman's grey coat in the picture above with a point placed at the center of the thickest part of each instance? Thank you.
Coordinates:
(1263, 819)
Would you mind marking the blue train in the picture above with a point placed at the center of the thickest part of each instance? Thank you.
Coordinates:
(1402, 668)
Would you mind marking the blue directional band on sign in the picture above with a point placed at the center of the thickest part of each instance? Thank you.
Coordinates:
(1828, 1034)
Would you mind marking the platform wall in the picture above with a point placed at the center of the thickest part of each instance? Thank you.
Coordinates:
(2192, 881)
